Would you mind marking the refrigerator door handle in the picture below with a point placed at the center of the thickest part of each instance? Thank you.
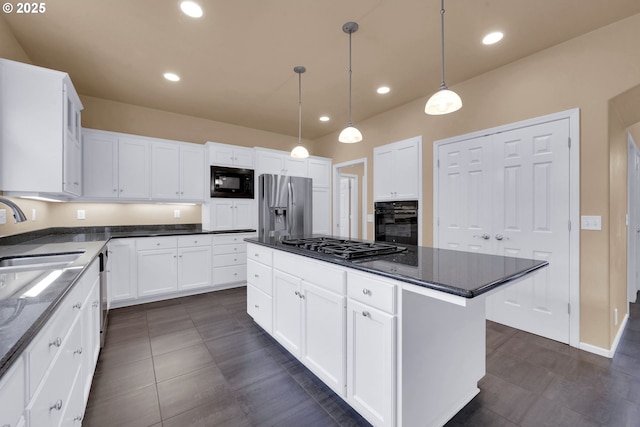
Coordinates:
(290, 209)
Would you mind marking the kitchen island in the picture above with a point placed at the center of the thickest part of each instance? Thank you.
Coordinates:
(400, 337)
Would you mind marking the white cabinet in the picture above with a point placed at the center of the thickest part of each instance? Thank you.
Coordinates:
(99, 164)
(321, 206)
(91, 312)
(133, 167)
(319, 170)
(260, 286)
(279, 163)
(230, 259)
(309, 315)
(40, 116)
(121, 270)
(371, 347)
(397, 170)
(230, 155)
(157, 265)
(194, 262)
(12, 394)
(177, 171)
(222, 214)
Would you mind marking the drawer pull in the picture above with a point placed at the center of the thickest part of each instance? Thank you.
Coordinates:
(57, 406)
(297, 293)
(256, 255)
(77, 305)
(256, 275)
(95, 304)
(256, 306)
(78, 418)
(366, 291)
(78, 351)
(366, 314)
(56, 343)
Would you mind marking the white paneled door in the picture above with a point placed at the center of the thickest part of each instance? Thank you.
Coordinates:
(508, 194)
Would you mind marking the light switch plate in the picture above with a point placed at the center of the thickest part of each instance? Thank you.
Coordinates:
(81, 214)
(591, 222)
(370, 218)
(176, 213)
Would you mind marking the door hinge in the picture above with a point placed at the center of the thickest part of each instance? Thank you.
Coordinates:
(438, 162)
(569, 225)
(569, 142)
(569, 309)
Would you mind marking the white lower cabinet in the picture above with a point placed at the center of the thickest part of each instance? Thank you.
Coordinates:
(158, 268)
(194, 262)
(12, 395)
(121, 270)
(371, 351)
(229, 259)
(91, 312)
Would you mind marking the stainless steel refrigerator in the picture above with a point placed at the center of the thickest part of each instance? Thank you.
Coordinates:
(284, 205)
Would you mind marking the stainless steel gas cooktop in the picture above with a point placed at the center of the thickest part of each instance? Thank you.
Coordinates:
(346, 249)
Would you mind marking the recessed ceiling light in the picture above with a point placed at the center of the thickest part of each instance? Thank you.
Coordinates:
(324, 119)
(492, 38)
(383, 89)
(191, 8)
(172, 77)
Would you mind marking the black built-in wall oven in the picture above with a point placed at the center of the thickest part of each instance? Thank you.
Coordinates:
(397, 222)
(231, 182)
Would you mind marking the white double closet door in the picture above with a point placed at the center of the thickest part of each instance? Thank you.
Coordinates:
(508, 194)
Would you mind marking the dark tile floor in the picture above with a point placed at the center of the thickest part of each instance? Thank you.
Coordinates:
(201, 361)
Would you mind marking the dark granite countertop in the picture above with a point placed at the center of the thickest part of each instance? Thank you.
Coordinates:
(22, 318)
(465, 274)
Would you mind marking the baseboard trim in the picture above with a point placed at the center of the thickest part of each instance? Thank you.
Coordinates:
(609, 353)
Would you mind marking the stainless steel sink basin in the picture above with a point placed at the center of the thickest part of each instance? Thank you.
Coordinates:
(37, 262)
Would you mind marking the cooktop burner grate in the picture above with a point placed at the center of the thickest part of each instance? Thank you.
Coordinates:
(346, 249)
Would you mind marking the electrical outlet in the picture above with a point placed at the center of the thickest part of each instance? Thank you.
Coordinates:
(33, 214)
(588, 222)
(3, 216)
(81, 214)
(176, 213)
(370, 218)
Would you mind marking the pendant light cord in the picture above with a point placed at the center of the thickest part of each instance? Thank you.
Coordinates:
(350, 72)
(299, 108)
(442, 84)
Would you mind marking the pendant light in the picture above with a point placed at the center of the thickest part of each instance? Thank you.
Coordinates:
(444, 101)
(350, 134)
(299, 152)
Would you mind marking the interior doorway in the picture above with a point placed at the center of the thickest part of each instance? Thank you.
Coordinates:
(348, 210)
(350, 199)
(633, 230)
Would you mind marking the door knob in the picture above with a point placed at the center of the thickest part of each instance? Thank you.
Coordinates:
(499, 237)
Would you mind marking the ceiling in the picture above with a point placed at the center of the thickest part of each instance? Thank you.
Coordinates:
(236, 62)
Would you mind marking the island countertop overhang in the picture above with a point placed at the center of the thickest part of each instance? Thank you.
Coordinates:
(458, 273)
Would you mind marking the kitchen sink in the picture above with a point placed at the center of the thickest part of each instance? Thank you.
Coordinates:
(37, 262)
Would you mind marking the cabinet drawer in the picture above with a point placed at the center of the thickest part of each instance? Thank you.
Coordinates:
(225, 260)
(317, 272)
(12, 394)
(231, 238)
(260, 253)
(156, 243)
(52, 396)
(259, 275)
(259, 306)
(47, 344)
(232, 248)
(194, 240)
(372, 291)
(234, 273)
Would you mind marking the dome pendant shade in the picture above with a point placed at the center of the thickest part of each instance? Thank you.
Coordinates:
(299, 152)
(350, 135)
(444, 101)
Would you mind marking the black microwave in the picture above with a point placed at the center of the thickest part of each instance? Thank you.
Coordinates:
(231, 182)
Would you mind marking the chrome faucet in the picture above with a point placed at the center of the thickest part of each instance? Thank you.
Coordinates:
(18, 215)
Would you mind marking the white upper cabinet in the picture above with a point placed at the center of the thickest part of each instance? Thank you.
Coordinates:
(230, 155)
(129, 167)
(319, 170)
(397, 170)
(279, 163)
(40, 116)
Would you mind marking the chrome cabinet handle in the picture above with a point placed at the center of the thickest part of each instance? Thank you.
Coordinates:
(56, 343)
(78, 418)
(366, 314)
(485, 236)
(78, 351)
(297, 293)
(256, 306)
(77, 305)
(366, 291)
(500, 237)
(57, 406)
(95, 304)
(255, 275)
